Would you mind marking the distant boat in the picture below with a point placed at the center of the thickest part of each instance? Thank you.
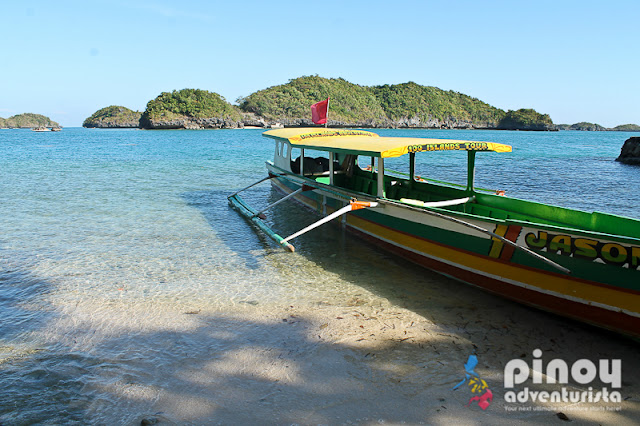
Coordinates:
(56, 129)
(40, 129)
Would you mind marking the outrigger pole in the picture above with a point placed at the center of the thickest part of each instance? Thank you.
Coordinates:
(353, 205)
(250, 214)
(257, 216)
(253, 184)
(286, 197)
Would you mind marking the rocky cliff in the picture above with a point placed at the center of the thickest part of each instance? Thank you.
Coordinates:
(630, 153)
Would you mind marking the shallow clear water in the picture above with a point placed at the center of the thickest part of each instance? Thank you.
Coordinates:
(108, 234)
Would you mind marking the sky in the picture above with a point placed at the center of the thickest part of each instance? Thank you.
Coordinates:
(574, 60)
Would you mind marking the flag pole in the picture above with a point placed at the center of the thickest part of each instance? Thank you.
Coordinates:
(326, 123)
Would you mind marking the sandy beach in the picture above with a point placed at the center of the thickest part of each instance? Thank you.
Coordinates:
(387, 353)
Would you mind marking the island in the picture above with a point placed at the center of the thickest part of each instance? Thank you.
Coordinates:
(27, 121)
(582, 126)
(525, 119)
(406, 105)
(627, 128)
(113, 117)
(190, 109)
(593, 127)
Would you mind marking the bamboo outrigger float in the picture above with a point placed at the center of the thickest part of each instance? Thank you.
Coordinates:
(577, 264)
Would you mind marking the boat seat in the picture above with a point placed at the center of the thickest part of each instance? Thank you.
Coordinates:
(338, 178)
(443, 203)
(362, 184)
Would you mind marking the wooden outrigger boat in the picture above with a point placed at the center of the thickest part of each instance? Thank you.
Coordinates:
(577, 264)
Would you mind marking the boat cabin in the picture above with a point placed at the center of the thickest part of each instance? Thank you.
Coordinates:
(343, 148)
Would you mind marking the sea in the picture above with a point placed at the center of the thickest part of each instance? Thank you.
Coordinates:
(118, 247)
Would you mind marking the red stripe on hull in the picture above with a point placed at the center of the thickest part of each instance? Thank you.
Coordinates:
(512, 235)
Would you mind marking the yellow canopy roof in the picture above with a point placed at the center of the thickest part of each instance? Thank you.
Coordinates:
(360, 142)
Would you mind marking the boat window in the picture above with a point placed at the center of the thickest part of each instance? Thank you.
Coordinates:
(285, 150)
(295, 159)
(365, 162)
(315, 162)
(446, 166)
(398, 166)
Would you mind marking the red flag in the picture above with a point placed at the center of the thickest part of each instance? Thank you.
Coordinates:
(319, 111)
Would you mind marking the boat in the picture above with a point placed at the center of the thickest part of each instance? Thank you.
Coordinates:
(56, 129)
(40, 129)
(576, 264)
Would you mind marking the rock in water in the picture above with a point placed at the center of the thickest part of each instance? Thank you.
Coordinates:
(630, 153)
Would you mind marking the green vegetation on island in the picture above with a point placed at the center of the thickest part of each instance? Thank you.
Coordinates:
(525, 119)
(585, 126)
(407, 105)
(627, 128)
(400, 105)
(593, 127)
(427, 106)
(26, 121)
(290, 103)
(190, 108)
(114, 116)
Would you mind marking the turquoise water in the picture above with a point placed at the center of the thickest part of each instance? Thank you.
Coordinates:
(111, 230)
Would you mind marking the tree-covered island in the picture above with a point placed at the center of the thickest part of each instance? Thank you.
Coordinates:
(594, 127)
(190, 109)
(407, 105)
(114, 116)
(525, 119)
(27, 121)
